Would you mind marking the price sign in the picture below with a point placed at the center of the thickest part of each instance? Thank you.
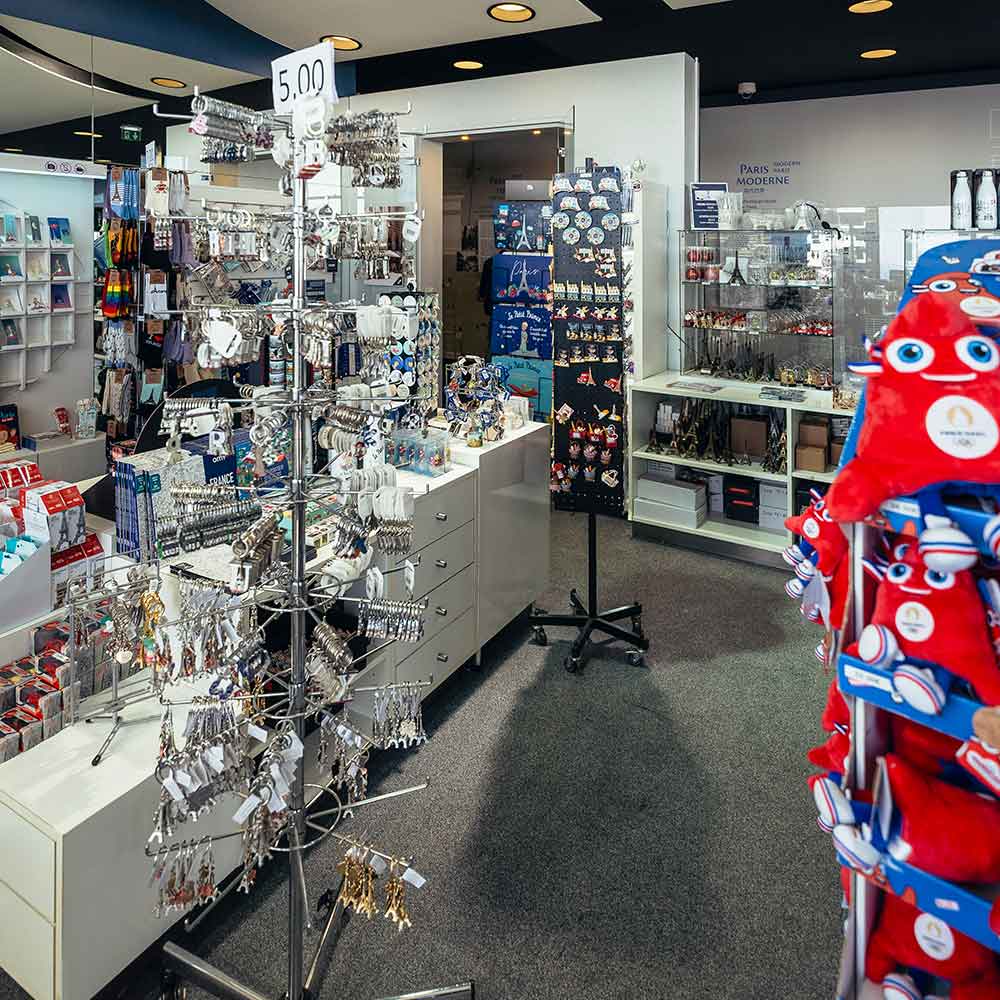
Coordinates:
(306, 73)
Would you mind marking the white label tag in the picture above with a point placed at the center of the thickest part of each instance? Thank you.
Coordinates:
(249, 804)
(279, 780)
(414, 877)
(276, 803)
(409, 577)
(255, 732)
(295, 751)
(378, 864)
(215, 759)
(306, 73)
(182, 778)
(865, 678)
(173, 790)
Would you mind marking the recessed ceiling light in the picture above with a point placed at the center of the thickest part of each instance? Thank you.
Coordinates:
(869, 6)
(12, 149)
(512, 13)
(536, 131)
(89, 135)
(466, 138)
(168, 81)
(344, 43)
(467, 64)
(878, 53)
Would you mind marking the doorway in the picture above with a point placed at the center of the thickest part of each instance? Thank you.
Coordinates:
(480, 172)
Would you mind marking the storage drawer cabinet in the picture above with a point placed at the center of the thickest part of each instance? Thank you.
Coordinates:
(442, 655)
(28, 945)
(28, 862)
(444, 604)
(440, 561)
(443, 510)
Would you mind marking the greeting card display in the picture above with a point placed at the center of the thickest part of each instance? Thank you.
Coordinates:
(521, 278)
(10, 267)
(59, 232)
(525, 331)
(588, 320)
(522, 225)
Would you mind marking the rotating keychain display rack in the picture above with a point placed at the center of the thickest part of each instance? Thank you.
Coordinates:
(275, 808)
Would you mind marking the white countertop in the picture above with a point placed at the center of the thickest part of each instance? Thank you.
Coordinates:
(462, 454)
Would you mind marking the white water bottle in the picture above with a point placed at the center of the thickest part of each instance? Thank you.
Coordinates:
(961, 202)
(986, 201)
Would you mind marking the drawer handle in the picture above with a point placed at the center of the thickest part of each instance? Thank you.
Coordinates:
(441, 563)
(441, 611)
(442, 657)
(441, 515)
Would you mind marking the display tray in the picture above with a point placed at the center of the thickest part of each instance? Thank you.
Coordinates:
(874, 685)
(962, 909)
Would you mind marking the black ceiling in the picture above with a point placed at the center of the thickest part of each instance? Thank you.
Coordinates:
(793, 50)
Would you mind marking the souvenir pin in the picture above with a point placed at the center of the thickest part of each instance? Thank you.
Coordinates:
(571, 237)
(560, 220)
(574, 449)
(587, 378)
(590, 474)
(583, 220)
(611, 435)
(610, 478)
(606, 456)
(590, 452)
(611, 221)
(573, 471)
(584, 185)
(595, 236)
(608, 183)
(564, 413)
(570, 203)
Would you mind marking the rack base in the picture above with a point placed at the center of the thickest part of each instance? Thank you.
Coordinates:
(588, 619)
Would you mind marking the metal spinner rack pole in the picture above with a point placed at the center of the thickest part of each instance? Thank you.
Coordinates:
(179, 964)
(591, 619)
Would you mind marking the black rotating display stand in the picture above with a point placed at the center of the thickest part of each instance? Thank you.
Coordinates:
(591, 320)
(589, 620)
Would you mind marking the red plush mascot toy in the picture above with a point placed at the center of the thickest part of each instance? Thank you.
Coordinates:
(931, 417)
(923, 614)
(907, 937)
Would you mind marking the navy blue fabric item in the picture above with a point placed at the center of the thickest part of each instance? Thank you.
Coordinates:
(525, 330)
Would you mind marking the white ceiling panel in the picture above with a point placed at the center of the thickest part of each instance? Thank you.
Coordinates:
(387, 26)
(130, 64)
(32, 97)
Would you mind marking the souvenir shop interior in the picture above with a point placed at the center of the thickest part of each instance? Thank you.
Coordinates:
(481, 494)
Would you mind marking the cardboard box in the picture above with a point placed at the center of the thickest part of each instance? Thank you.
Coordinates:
(668, 515)
(716, 504)
(809, 458)
(748, 436)
(836, 450)
(661, 470)
(772, 519)
(676, 493)
(772, 495)
(814, 433)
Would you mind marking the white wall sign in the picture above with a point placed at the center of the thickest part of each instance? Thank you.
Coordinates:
(306, 73)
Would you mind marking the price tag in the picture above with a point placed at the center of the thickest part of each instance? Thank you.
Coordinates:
(249, 804)
(306, 73)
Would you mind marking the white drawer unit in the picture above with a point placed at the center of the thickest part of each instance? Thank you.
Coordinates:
(444, 508)
(443, 558)
(441, 655)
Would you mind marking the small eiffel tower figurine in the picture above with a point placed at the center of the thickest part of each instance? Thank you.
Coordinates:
(737, 277)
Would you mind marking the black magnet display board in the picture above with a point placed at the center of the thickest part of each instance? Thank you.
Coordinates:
(588, 342)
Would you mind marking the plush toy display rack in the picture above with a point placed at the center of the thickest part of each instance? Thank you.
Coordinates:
(910, 933)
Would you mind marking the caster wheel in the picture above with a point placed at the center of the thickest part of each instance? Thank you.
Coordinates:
(541, 639)
(572, 664)
(637, 627)
(635, 657)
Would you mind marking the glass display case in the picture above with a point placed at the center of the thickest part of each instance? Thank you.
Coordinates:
(758, 306)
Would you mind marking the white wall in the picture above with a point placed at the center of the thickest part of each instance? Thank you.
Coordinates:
(880, 149)
(624, 111)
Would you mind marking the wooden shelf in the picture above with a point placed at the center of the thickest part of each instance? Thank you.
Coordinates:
(755, 471)
(731, 391)
(727, 531)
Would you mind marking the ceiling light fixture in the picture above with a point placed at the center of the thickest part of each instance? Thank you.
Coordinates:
(12, 149)
(869, 6)
(511, 13)
(465, 138)
(89, 135)
(168, 81)
(536, 131)
(878, 53)
(469, 64)
(342, 43)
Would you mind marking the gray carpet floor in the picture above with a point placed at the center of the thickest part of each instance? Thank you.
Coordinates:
(629, 832)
